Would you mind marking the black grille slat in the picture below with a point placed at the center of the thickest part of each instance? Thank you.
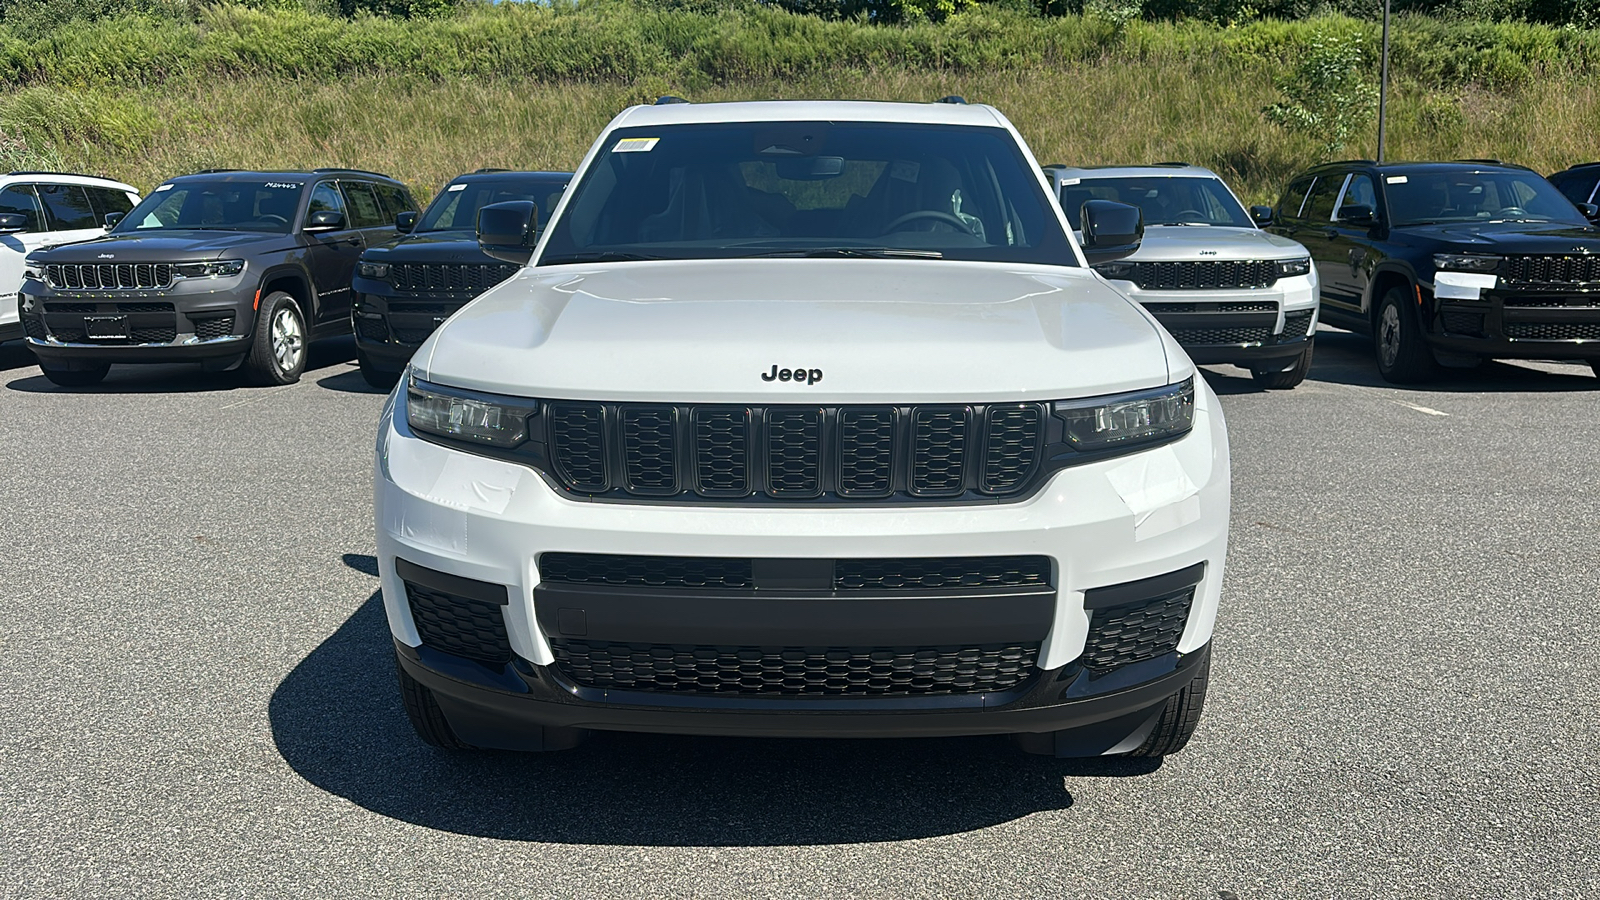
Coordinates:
(1467, 323)
(868, 574)
(938, 451)
(1554, 331)
(796, 671)
(1582, 269)
(1204, 275)
(212, 328)
(934, 573)
(649, 449)
(461, 626)
(1012, 439)
(1248, 335)
(645, 571)
(722, 452)
(1295, 325)
(794, 452)
(1136, 632)
(160, 334)
(120, 276)
(866, 452)
(472, 278)
(1227, 306)
(372, 329)
(577, 433)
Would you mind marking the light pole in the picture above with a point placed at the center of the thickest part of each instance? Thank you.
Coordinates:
(1383, 80)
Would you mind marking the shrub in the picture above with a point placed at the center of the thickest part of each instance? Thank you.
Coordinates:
(1330, 94)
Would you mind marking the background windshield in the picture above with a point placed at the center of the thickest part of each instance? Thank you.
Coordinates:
(722, 191)
(1164, 200)
(456, 207)
(1423, 198)
(225, 205)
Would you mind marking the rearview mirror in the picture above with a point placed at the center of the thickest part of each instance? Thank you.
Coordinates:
(507, 231)
(1261, 215)
(406, 222)
(112, 219)
(1359, 215)
(1110, 230)
(325, 220)
(810, 168)
(11, 223)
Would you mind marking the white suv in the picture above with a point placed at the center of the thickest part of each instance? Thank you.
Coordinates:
(804, 418)
(1227, 290)
(44, 209)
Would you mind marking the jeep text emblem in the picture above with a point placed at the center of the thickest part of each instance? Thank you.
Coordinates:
(809, 376)
(108, 256)
(1208, 253)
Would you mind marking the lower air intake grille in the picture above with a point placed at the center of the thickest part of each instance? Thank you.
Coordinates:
(372, 329)
(207, 329)
(461, 626)
(34, 329)
(910, 574)
(796, 671)
(940, 572)
(1467, 323)
(1256, 335)
(1295, 325)
(1554, 331)
(644, 571)
(158, 335)
(1120, 635)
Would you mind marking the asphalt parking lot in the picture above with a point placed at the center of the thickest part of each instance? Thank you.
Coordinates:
(197, 699)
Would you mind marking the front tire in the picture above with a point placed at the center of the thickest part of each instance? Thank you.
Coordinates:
(278, 351)
(1284, 379)
(1179, 718)
(1403, 353)
(427, 719)
(76, 377)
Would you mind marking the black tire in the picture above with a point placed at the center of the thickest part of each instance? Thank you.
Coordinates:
(427, 719)
(1285, 379)
(1595, 365)
(1179, 718)
(382, 379)
(76, 377)
(1404, 356)
(278, 349)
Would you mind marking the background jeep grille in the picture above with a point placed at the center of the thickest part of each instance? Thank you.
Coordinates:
(471, 278)
(1539, 270)
(124, 277)
(1208, 275)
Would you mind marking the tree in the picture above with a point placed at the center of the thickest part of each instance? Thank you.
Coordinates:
(1330, 95)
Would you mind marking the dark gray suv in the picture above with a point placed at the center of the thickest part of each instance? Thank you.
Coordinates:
(228, 269)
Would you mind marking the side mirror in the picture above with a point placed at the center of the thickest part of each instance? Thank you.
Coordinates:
(1261, 215)
(406, 222)
(1360, 215)
(112, 219)
(325, 220)
(1589, 210)
(507, 231)
(11, 223)
(1110, 230)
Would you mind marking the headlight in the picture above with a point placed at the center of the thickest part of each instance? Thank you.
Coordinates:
(1121, 271)
(1465, 262)
(219, 269)
(33, 268)
(1288, 268)
(1101, 423)
(468, 415)
(373, 270)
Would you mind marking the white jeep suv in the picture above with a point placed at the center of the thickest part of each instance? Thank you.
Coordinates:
(804, 418)
(44, 209)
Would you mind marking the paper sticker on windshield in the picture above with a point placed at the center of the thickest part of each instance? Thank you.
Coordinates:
(635, 145)
(164, 187)
(455, 187)
(905, 170)
(1395, 179)
(1067, 181)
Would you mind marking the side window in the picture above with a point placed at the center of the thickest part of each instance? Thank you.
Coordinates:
(18, 199)
(109, 200)
(326, 197)
(1294, 198)
(363, 203)
(395, 200)
(547, 205)
(67, 207)
(1319, 206)
(1359, 193)
(1577, 188)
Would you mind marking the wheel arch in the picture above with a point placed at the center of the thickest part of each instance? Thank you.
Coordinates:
(293, 281)
(1387, 276)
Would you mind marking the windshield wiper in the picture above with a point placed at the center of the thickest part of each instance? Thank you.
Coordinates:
(595, 256)
(1175, 224)
(849, 252)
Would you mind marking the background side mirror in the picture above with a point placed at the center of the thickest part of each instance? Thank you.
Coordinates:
(1110, 230)
(507, 231)
(11, 223)
(112, 219)
(1589, 210)
(1360, 215)
(406, 222)
(325, 220)
(1261, 215)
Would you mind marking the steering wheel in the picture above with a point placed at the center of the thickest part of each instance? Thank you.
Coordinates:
(1188, 215)
(1513, 210)
(930, 214)
(269, 217)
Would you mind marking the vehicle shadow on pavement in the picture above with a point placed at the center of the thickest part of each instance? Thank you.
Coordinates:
(177, 378)
(1343, 357)
(337, 720)
(15, 355)
(349, 381)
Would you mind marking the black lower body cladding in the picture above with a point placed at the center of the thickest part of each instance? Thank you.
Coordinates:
(1518, 325)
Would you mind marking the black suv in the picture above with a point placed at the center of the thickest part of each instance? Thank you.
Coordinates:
(1449, 263)
(406, 287)
(225, 268)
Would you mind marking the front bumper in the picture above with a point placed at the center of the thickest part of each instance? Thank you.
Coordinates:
(1103, 525)
(191, 321)
(1259, 327)
(390, 327)
(1518, 324)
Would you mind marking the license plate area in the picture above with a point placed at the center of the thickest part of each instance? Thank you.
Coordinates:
(105, 327)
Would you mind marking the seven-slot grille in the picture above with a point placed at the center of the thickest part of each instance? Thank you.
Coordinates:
(1207, 275)
(795, 452)
(474, 278)
(1546, 270)
(117, 277)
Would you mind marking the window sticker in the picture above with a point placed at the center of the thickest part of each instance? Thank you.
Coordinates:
(455, 187)
(164, 187)
(1068, 181)
(635, 145)
(1395, 179)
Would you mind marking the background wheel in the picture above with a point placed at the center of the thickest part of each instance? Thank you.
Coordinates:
(1287, 378)
(1403, 355)
(1179, 718)
(426, 717)
(278, 351)
(76, 377)
(382, 379)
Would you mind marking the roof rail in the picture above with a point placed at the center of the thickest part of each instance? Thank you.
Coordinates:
(1054, 166)
(1171, 165)
(486, 170)
(214, 171)
(48, 172)
(668, 100)
(1344, 162)
(953, 98)
(1492, 162)
(326, 169)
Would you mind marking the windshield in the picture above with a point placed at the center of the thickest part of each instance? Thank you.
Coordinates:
(1430, 197)
(1164, 199)
(456, 207)
(721, 191)
(268, 206)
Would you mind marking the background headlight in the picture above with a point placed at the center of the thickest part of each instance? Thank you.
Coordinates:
(33, 268)
(1121, 271)
(218, 269)
(467, 415)
(1120, 420)
(1465, 262)
(372, 270)
(1288, 268)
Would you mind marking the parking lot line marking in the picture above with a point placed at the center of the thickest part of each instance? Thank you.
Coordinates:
(1420, 409)
(259, 397)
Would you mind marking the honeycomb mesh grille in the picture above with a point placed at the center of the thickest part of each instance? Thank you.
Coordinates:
(1136, 632)
(460, 626)
(1247, 335)
(1229, 306)
(940, 572)
(866, 452)
(160, 334)
(1208, 275)
(918, 573)
(1554, 331)
(938, 451)
(138, 276)
(794, 452)
(215, 327)
(645, 571)
(796, 671)
(1467, 323)
(649, 450)
(577, 433)
(722, 452)
(1296, 325)
(1540, 270)
(1013, 447)
(34, 328)
(372, 329)
(470, 278)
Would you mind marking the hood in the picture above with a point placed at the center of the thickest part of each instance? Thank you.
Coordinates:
(1507, 237)
(431, 247)
(900, 331)
(1185, 243)
(175, 246)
